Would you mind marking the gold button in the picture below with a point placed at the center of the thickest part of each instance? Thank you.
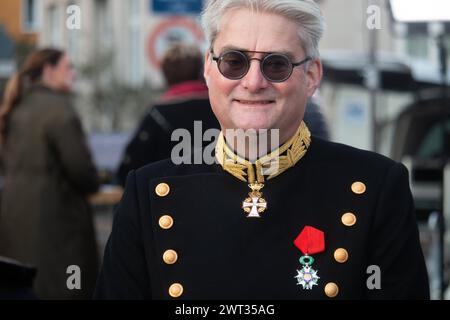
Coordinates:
(331, 290)
(341, 255)
(358, 187)
(162, 189)
(176, 290)
(166, 222)
(348, 219)
(170, 256)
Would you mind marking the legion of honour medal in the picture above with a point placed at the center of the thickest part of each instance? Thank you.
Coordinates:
(310, 241)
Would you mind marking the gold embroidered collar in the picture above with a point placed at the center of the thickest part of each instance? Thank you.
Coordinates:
(270, 165)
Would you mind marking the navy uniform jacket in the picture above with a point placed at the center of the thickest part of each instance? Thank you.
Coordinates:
(222, 254)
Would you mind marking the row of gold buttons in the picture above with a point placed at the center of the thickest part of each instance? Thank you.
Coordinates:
(348, 219)
(340, 255)
(170, 256)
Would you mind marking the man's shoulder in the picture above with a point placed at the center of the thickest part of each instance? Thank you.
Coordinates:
(342, 155)
(340, 166)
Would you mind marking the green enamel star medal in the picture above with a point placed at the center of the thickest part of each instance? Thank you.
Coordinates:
(309, 241)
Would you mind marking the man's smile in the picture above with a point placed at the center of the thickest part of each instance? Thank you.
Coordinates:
(254, 102)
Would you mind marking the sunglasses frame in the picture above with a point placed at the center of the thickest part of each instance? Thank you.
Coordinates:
(248, 60)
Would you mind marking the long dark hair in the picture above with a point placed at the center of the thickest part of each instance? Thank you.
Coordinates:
(30, 73)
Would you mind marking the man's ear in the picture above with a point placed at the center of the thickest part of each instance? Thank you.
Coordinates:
(207, 67)
(314, 76)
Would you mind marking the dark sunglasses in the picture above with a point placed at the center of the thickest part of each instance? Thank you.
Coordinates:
(275, 67)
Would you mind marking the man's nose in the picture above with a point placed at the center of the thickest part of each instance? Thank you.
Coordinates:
(254, 80)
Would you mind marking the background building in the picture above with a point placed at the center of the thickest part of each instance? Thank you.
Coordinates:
(117, 51)
(19, 29)
(21, 20)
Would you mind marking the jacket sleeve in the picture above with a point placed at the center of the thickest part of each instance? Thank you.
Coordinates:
(395, 246)
(124, 273)
(68, 142)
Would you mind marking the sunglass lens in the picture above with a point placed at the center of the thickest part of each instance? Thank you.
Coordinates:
(233, 65)
(277, 67)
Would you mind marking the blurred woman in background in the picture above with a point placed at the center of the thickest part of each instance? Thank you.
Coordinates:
(45, 220)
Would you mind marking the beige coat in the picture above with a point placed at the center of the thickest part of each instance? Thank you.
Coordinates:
(45, 219)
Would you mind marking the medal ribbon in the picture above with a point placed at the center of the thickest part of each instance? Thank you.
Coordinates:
(310, 241)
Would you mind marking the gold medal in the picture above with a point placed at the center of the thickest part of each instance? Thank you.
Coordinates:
(255, 203)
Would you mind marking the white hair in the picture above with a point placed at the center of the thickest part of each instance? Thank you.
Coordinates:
(305, 13)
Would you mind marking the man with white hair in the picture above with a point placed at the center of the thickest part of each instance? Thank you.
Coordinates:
(295, 218)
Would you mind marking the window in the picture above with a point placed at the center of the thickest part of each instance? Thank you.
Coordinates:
(436, 140)
(30, 15)
(418, 46)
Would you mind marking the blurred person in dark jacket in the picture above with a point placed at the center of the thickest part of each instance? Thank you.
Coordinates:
(45, 219)
(184, 102)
